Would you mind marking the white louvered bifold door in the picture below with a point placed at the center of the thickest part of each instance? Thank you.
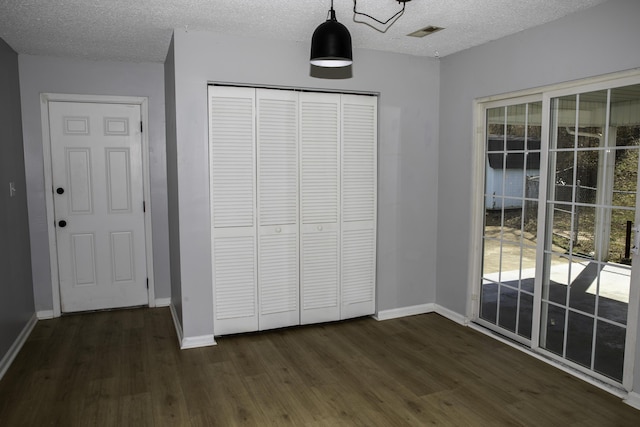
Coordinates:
(320, 206)
(278, 278)
(233, 201)
(359, 189)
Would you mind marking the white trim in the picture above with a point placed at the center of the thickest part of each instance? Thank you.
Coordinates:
(452, 315)
(570, 85)
(196, 342)
(45, 314)
(633, 400)
(394, 313)
(176, 323)
(189, 342)
(163, 302)
(143, 102)
(13, 351)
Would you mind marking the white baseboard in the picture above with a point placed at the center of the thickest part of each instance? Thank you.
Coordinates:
(404, 311)
(633, 400)
(452, 315)
(195, 342)
(189, 342)
(176, 323)
(45, 314)
(13, 351)
(163, 302)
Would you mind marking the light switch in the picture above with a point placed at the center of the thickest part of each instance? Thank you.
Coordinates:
(12, 188)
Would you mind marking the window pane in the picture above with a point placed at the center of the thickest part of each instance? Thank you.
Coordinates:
(563, 116)
(587, 164)
(556, 281)
(585, 232)
(510, 264)
(512, 229)
(561, 227)
(553, 328)
(491, 257)
(534, 129)
(620, 232)
(625, 116)
(582, 293)
(562, 185)
(615, 284)
(609, 354)
(625, 177)
(508, 308)
(526, 311)
(489, 301)
(591, 120)
(579, 338)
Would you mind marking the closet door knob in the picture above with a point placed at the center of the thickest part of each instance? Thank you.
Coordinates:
(319, 228)
(62, 223)
(278, 229)
(60, 190)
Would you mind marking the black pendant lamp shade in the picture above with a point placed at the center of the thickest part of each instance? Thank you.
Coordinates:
(331, 44)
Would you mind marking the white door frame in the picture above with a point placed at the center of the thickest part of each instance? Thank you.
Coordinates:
(143, 102)
(625, 78)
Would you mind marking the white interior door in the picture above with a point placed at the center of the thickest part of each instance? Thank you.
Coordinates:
(320, 206)
(96, 156)
(233, 208)
(278, 278)
(359, 202)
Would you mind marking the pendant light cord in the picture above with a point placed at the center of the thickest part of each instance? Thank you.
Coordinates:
(393, 19)
(331, 12)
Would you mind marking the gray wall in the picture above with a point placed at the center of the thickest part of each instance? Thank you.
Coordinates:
(172, 181)
(408, 161)
(599, 40)
(593, 42)
(40, 74)
(16, 289)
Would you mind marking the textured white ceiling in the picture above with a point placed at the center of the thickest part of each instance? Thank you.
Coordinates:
(140, 30)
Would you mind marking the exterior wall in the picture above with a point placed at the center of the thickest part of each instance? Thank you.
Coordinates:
(16, 288)
(39, 74)
(408, 153)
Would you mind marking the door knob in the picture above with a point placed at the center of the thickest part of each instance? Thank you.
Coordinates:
(62, 223)
(59, 190)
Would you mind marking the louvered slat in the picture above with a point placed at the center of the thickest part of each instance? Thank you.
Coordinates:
(232, 157)
(320, 270)
(278, 273)
(319, 160)
(358, 266)
(358, 162)
(234, 273)
(232, 143)
(278, 160)
(358, 227)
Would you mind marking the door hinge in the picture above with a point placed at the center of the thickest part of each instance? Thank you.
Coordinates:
(141, 126)
(144, 206)
(147, 283)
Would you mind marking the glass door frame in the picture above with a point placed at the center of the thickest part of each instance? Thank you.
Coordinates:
(479, 218)
(478, 209)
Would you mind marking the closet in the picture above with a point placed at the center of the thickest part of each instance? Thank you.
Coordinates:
(293, 207)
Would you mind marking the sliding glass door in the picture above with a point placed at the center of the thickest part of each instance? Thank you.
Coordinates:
(560, 203)
(590, 211)
(512, 163)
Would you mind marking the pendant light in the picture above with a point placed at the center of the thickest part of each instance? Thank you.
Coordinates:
(331, 43)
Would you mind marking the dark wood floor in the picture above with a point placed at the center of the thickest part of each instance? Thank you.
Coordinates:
(124, 368)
